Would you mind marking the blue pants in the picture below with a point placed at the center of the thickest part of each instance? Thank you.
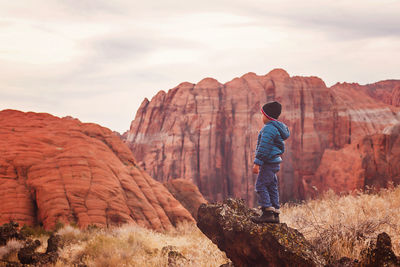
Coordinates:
(267, 185)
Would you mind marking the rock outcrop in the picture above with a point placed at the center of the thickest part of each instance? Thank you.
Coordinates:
(245, 243)
(380, 253)
(54, 169)
(187, 194)
(207, 131)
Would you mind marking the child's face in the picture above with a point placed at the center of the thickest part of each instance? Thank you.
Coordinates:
(265, 119)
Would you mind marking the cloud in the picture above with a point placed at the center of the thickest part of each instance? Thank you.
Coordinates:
(89, 7)
(338, 19)
(97, 60)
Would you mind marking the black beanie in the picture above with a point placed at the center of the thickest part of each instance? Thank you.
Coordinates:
(272, 109)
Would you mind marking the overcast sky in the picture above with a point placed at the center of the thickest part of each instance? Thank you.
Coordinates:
(97, 60)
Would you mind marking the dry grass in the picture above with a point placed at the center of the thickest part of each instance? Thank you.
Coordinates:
(132, 245)
(338, 226)
(342, 226)
(10, 250)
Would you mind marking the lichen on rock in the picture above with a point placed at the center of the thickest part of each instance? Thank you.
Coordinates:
(245, 243)
(229, 226)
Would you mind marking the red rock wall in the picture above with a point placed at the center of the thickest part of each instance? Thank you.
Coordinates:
(54, 169)
(371, 161)
(386, 91)
(207, 131)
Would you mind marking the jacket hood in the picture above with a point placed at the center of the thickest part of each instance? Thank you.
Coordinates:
(282, 128)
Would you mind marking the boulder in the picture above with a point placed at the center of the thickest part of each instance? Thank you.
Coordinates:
(381, 253)
(245, 243)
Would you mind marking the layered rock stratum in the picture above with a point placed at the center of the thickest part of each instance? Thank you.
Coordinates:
(61, 170)
(207, 132)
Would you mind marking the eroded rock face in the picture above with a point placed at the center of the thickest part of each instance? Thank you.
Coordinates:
(54, 169)
(187, 194)
(386, 91)
(207, 131)
(371, 161)
(245, 243)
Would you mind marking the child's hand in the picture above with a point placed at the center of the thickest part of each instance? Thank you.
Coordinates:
(256, 168)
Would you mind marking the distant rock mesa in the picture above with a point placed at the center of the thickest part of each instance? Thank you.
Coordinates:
(207, 132)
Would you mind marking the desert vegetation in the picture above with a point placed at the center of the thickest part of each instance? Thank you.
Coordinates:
(131, 245)
(338, 226)
(344, 226)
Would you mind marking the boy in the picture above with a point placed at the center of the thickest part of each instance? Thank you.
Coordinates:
(270, 147)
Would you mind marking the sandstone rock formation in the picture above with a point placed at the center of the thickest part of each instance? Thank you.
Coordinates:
(373, 161)
(54, 169)
(385, 91)
(187, 194)
(207, 131)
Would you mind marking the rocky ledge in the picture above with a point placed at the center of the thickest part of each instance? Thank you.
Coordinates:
(228, 225)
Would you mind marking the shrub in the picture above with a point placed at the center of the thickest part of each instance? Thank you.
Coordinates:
(9, 251)
(34, 231)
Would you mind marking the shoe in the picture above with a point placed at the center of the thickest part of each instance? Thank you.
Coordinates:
(276, 214)
(268, 216)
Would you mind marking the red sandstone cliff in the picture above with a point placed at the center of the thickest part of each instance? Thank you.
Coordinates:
(387, 92)
(373, 160)
(207, 131)
(54, 169)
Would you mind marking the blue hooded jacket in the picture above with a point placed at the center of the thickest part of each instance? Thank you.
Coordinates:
(270, 143)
